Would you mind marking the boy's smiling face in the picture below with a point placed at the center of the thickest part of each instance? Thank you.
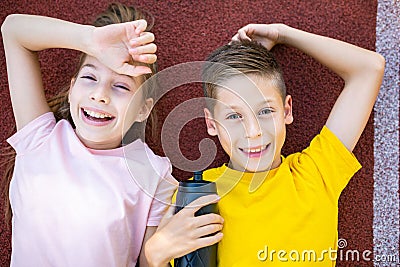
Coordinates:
(250, 120)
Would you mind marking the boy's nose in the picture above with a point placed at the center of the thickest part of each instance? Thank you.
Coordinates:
(100, 94)
(253, 128)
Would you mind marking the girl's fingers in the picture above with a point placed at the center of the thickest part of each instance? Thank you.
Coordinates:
(208, 230)
(133, 29)
(146, 58)
(209, 240)
(140, 25)
(206, 219)
(134, 71)
(167, 216)
(197, 204)
(144, 38)
(144, 49)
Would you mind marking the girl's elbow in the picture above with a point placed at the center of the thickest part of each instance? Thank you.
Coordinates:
(7, 26)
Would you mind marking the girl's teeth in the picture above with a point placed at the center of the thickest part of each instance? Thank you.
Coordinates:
(96, 115)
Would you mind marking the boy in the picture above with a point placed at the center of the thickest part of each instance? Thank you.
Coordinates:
(282, 211)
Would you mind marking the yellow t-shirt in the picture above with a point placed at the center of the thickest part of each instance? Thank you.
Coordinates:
(291, 218)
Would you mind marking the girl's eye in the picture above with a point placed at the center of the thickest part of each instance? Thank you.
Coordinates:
(234, 116)
(265, 111)
(88, 77)
(122, 87)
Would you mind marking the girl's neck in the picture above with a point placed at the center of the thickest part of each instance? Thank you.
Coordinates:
(99, 145)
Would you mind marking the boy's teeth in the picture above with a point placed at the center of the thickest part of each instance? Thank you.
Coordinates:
(254, 150)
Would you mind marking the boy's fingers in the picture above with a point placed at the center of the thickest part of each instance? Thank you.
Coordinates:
(235, 38)
(243, 34)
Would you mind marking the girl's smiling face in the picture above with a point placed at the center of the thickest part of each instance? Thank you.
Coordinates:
(105, 104)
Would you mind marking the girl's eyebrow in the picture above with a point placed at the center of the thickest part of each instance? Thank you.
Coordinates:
(89, 66)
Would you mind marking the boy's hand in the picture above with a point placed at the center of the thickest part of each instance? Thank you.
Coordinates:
(266, 34)
(182, 233)
(118, 45)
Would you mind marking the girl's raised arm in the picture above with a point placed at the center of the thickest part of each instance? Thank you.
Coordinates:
(25, 35)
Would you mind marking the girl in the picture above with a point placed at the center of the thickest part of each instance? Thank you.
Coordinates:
(78, 197)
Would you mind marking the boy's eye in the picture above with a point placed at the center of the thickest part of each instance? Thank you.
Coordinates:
(234, 116)
(265, 111)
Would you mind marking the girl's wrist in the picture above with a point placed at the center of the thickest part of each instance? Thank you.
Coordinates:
(86, 44)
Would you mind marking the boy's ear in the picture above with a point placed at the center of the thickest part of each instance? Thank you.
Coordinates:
(210, 122)
(288, 110)
(144, 112)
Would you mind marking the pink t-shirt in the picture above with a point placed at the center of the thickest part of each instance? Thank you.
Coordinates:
(75, 206)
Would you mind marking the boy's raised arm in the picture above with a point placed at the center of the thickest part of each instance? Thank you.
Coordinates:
(361, 69)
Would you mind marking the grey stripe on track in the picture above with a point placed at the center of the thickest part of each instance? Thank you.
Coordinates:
(386, 143)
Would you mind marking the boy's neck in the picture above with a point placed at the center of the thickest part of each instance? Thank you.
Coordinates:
(275, 164)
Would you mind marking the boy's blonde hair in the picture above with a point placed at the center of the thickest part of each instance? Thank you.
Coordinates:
(239, 58)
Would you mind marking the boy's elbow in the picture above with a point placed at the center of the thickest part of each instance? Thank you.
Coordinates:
(378, 64)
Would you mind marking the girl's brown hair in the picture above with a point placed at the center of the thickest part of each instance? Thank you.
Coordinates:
(115, 13)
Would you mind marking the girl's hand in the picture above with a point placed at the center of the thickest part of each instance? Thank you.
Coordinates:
(182, 233)
(118, 45)
(266, 34)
